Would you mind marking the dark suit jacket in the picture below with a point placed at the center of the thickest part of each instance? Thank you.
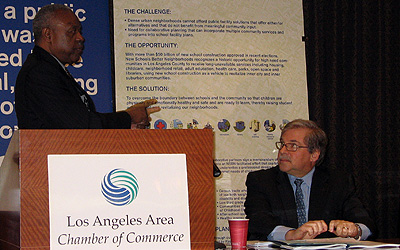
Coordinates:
(47, 98)
(270, 201)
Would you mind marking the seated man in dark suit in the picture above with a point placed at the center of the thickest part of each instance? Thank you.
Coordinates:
(299, 198)
(48, 97)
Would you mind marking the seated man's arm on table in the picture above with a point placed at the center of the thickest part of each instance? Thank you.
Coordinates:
(355, 216)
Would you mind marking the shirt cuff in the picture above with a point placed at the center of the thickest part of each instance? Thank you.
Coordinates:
(279, 233)
(365, 231)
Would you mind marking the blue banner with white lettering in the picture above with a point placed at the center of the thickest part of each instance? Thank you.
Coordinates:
(16, 42)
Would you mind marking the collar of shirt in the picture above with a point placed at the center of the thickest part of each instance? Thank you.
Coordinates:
(307, 179)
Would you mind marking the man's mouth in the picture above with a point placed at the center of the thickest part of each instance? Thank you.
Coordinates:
(80, 48)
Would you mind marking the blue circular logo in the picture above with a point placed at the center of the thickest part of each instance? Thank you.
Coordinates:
(119, 187)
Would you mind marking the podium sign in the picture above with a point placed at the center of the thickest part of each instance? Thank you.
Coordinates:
(118, 201)
(25, 222)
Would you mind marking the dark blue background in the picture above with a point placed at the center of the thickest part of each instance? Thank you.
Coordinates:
(96, 57)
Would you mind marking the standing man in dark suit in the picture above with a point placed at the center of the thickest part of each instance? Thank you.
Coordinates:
(48, 97)
(299, 199)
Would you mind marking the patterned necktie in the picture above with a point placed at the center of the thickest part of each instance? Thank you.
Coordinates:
(301, 209)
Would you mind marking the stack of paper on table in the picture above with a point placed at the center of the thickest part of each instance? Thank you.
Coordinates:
(328, 243)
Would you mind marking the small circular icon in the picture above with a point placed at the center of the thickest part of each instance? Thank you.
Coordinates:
(224, 125)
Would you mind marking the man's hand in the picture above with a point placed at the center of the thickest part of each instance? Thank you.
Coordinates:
(308, 230)
(140, 113)
(343, 228)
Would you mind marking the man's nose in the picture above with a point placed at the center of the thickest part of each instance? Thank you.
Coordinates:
(80, 37)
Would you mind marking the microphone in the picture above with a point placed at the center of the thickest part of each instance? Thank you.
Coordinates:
(216, 171)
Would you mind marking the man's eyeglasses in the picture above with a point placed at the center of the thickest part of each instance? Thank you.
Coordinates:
(289, 146)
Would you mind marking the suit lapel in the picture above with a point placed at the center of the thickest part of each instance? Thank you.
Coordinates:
(287, 198)
(319, 190)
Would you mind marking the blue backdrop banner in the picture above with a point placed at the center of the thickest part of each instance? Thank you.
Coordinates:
(16, 42)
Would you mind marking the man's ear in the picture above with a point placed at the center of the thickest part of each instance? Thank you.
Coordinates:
(46, 34)
(315, 155)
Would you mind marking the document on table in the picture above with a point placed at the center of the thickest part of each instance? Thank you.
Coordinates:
(294, 245)
(326, 243)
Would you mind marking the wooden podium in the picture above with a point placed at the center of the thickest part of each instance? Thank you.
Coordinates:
(24, 196)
